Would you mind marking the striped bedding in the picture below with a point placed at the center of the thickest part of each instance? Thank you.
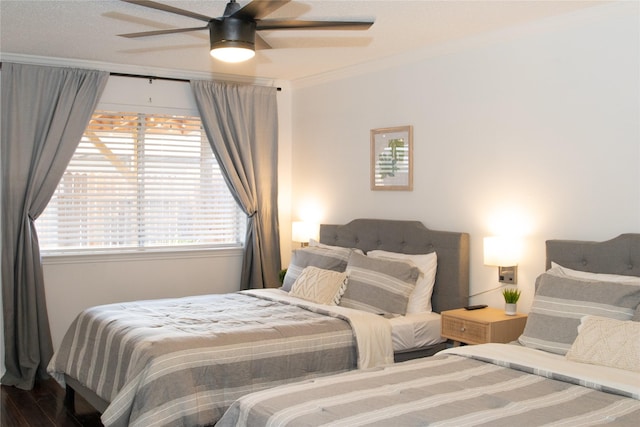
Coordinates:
(485, 385)
(183, 361)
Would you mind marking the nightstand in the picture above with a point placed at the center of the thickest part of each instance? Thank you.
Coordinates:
(481, 326)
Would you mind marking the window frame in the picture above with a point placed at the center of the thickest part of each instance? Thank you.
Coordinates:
(169, 254)
(116, 254)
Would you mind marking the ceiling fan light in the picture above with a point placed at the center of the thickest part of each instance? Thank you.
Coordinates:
(232, 54)
(232, 39)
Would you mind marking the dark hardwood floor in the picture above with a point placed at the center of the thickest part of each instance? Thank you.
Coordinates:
(44, 406)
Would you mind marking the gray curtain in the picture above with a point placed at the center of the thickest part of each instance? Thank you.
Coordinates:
(241, 122)
(44, 113)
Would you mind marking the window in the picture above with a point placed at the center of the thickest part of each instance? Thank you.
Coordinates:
(140, 181)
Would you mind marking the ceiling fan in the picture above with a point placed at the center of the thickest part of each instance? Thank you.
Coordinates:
(233, 35)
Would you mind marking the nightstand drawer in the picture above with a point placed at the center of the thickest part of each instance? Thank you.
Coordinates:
(481, 326)
(465, 331)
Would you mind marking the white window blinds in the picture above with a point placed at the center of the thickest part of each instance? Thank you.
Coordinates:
(141, 181)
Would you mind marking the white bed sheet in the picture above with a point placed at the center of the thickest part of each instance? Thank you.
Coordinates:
(415, 331)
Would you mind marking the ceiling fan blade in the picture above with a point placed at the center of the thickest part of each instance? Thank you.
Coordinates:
(170, 9)
(160, 32)
(259, 8)
(290, 24)
(262, 43)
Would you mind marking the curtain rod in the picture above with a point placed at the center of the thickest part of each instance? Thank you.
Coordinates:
(172, 79)
(140, 76)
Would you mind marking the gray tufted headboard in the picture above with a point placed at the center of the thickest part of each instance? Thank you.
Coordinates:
(451, 288)
(620, 255)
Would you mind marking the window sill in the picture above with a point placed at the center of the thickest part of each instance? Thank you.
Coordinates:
(137, 255)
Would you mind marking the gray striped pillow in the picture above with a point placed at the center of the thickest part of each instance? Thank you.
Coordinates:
(334, 258)
(560, 303)
(379, 285)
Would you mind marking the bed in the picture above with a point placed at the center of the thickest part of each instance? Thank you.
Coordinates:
(577, 362)
(183, 361)
(416, 334)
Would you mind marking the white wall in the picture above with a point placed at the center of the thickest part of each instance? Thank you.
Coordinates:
(535, 130)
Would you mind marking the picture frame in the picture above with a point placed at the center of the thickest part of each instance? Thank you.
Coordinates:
(392, 159)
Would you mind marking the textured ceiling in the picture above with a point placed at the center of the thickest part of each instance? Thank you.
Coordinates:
(87, 30)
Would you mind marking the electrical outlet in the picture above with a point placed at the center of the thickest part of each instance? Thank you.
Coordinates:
(508, 275)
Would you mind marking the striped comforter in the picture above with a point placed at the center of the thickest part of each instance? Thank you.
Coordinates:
(184, 361)
(478, 386)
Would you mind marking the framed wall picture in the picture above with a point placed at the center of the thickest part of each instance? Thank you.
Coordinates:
(392, 158)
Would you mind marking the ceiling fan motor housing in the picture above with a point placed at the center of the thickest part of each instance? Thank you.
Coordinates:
(232, 32)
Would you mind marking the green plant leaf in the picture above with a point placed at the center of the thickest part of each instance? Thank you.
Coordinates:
(511, 296)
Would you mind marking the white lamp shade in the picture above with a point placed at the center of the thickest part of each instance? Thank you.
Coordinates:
(502, 251)
(303, 231)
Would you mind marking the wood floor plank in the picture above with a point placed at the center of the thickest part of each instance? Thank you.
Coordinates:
(54, 408)
(10, 414)
(43, 406)
(26, 403)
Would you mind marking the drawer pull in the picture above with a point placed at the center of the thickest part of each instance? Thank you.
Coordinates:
(462, 329)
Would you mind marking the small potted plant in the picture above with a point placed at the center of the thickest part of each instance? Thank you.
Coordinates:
(511, 297)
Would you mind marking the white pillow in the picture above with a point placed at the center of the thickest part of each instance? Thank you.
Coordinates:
(320, 286)
(420, 298)
(560, 271)
(607, 342)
